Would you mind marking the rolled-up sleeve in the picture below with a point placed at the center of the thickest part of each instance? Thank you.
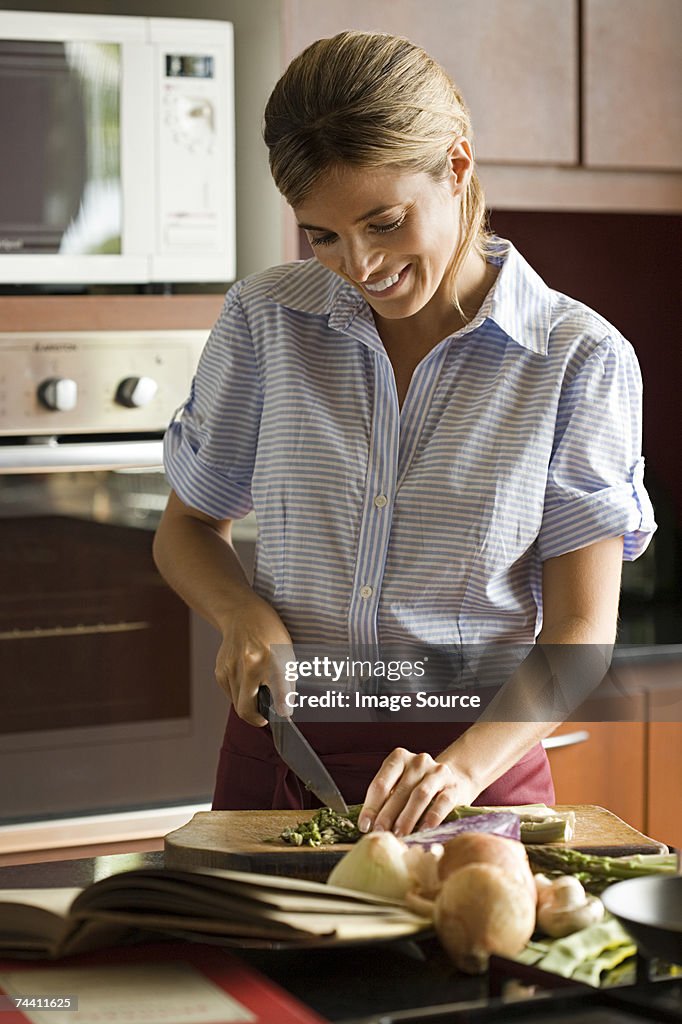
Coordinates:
(595, 485)
(210, 445)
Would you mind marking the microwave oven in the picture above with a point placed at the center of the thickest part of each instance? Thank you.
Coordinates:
(117, 142)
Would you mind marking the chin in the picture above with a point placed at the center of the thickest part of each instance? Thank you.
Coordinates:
(399, 310)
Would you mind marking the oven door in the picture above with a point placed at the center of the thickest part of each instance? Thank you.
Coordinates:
(108, 699)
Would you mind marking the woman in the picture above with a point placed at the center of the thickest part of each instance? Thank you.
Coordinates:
(440, 449)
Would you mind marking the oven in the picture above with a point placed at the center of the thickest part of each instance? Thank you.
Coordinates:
(108, 700)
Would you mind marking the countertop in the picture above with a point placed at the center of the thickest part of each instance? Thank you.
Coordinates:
(335, 982)
(400, 982)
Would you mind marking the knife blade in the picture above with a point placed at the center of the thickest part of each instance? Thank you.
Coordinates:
(297, 754)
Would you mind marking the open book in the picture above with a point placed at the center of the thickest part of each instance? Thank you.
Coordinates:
(228, 907)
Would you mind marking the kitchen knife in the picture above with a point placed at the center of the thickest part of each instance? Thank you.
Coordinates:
(297, 754)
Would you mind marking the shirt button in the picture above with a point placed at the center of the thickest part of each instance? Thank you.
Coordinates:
(366, 591)
(381, 500)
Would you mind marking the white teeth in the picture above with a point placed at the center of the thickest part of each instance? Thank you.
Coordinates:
(381, 286)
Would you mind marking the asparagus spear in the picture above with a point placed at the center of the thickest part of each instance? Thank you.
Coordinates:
(596, 872)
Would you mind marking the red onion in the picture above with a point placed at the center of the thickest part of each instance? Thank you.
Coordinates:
(502, 823)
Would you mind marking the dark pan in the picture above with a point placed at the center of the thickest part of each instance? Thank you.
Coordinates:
(650, 909)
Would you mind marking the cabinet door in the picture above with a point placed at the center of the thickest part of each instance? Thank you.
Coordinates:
(632, 84)
(665, 754)
(606, 768)
(665, 782)
(515, 63)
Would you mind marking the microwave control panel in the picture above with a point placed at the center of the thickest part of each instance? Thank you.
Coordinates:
(193, 156)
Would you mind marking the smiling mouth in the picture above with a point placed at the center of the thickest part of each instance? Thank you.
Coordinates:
(387, 285)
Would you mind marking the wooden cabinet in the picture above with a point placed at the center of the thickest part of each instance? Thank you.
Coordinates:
(515, 63)
(605, 765)
(632, 83)
(629, 759)
(664, 762)
(575, 103)
(664, 782)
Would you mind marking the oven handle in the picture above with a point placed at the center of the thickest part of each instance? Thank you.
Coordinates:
(566, 739)
(53, 457)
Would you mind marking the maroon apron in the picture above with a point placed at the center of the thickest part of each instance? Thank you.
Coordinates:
(252, 776)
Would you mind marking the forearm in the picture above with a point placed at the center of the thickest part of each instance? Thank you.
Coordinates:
(566, 664)
(201, 565)
(580, 606)
(194, 553)
(489, 749)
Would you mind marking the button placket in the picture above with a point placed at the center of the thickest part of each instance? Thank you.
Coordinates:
(416, 406)
(375, 526)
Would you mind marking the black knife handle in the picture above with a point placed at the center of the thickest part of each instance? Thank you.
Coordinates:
(264, 702)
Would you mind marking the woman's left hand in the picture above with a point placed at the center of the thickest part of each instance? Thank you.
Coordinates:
(405, 786)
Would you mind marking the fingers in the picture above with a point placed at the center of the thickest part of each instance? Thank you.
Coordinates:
(380, 789)
(409, 790)
(278, 679)
(242, 673)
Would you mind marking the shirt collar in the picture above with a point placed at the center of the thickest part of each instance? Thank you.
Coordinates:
(310, 288)
(519, 302)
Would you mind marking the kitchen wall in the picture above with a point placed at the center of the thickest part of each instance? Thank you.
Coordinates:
(257, 67)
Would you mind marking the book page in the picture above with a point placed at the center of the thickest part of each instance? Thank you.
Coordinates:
(214, 881)
(56, 901)
(151, 993)
(34, 920)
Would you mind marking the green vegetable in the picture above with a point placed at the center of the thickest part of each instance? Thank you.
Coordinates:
(324, 828)
(590, 971)
(584, 956)
(533, 952)
(566, 955)
(539, 823)
(596, 872)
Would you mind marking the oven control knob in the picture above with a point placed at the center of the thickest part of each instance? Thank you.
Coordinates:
(60, 394)
(134, 392)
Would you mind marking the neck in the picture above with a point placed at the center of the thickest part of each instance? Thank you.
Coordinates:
(440, 318)
(474, 281)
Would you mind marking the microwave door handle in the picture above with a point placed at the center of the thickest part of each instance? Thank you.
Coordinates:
(66, 458)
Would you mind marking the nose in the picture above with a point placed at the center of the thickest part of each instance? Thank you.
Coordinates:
(361, 259)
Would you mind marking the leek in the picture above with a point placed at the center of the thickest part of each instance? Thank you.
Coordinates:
(539, 823)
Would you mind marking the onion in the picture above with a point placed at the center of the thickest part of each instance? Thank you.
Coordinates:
(422, 863)
(481, 909)
(376, 864)
(503, 823)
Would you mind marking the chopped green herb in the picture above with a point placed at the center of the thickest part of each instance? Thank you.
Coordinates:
(539, 824)
(324, 828)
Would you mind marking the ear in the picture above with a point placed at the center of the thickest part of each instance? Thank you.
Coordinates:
(461, 160)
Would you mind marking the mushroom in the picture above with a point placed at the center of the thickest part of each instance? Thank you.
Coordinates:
(564, 907)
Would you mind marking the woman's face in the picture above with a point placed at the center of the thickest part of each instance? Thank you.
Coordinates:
(392, 235)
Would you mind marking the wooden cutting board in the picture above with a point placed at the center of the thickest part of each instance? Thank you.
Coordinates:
(236, 840)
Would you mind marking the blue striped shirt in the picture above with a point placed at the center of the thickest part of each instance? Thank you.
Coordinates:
(518, 440)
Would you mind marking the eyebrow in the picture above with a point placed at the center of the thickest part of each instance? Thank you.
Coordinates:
(366, 216)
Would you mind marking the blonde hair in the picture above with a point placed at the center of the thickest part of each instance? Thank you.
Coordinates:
(370, 100)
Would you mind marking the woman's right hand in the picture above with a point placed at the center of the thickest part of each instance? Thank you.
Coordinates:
(255, 647)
